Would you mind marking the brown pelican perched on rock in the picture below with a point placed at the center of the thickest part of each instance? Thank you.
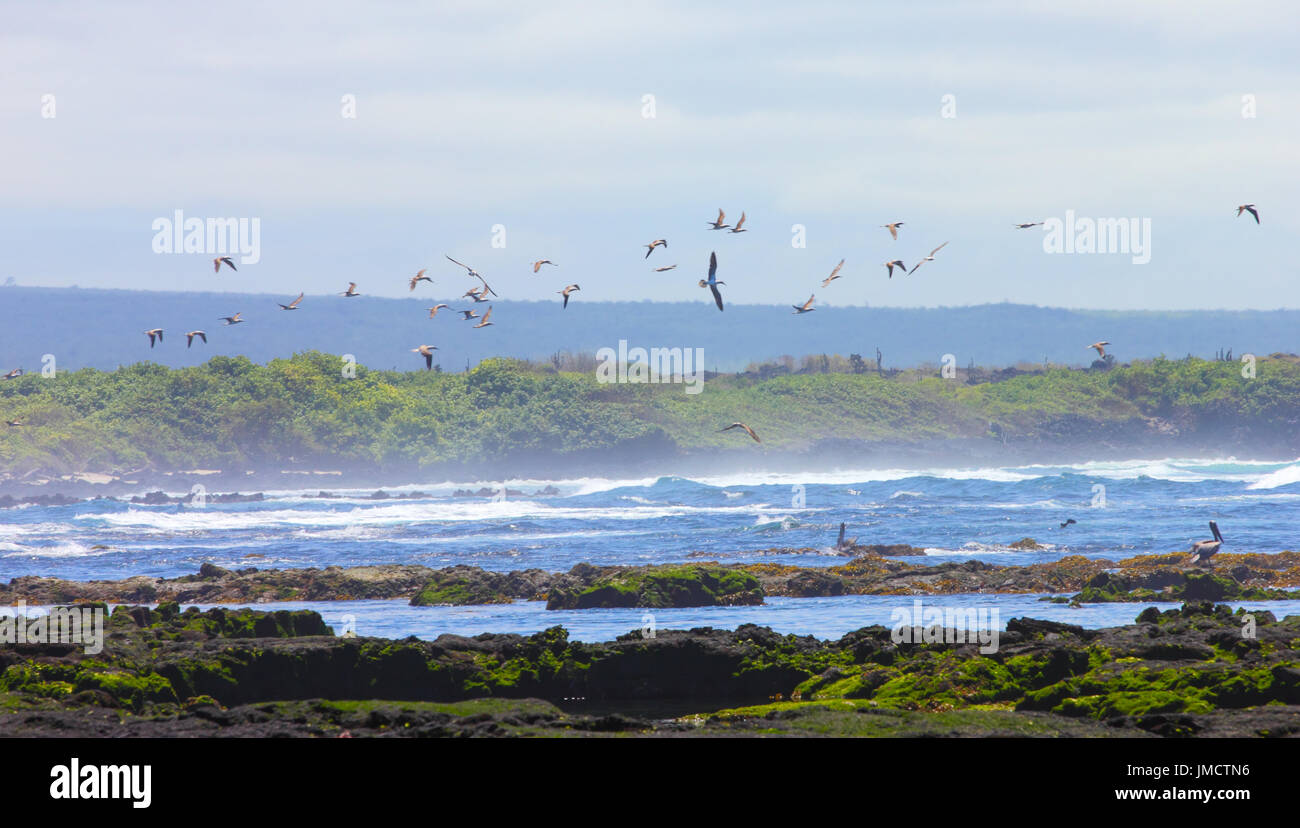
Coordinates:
(842, 545)
(1202, 550)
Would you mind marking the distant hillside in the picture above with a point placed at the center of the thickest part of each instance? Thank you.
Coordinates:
(507, 418)
(103, 329)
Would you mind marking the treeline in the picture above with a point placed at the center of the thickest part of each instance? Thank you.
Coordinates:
(311, 411)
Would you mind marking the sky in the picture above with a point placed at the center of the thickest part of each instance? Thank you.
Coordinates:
(957, 119)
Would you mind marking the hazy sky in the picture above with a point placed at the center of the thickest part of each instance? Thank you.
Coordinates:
(474, 114)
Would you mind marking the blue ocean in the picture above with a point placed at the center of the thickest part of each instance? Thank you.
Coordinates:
(1121, 509)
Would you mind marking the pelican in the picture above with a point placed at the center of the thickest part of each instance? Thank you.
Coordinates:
(806, 307)
(662, 269)
(893, 228)
(351, 291)
(469, 314)
(737, 229)
(538, 264)
(485, 321)
(841, 544)
(565, 293)
(426, 351)
(420, 277)
(929, 258)
(14, 374)
(652, 245)
(189, 337)
(895, 263)
(1202, 550)
(717, 224)
(1027, 224)
(1248, 208)
(232, 320)
(1100, 348)
(835, 274)
(292, 305)
(713, 282)
(154, 332)
(748, 430)
(477, 294)
(223, 260)
(433, 311)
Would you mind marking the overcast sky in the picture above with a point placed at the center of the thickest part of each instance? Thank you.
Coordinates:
(474, 114)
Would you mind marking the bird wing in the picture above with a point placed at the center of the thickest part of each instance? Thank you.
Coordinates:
(713, 266)
(1253, 212)
(893, 230)
(835, 273)
(915, 267)
(808, 304)
(721, 216)
(937, 249)
(467, 267)
(742, 220)
(717, 297)
(486, 315)
(295, 302)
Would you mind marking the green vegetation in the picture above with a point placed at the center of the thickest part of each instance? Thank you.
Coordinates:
(231, 413)
(670, 586)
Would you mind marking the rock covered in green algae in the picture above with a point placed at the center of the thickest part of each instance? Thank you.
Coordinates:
(659, 587)
(1173, 585)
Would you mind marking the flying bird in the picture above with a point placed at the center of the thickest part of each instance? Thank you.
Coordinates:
(232, 320)
(713, 282)
(1068, 521)
(14, 374)
(426, 351)
(565, 293)
(473, 273)
(748, 430)
(154, 332)
(1248, 208)
(433, 311)
(835, 274)
(485, 321)
(893, 228)
(469, 314)
(223, 260)
(538, 264)
(351, 291)
(717, 224)
(662, 269)
(1100, 348)
(929, 258)
(737, 229)
(292, 305)
(1027, 224)
(652, 245)
(189, 337)
(420, 277)
(477, 294)
(806, 307)
(895, 263)
(1202, 550)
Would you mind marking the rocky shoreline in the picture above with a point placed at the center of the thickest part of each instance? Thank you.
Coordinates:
(1077, 579)
(1198, 671)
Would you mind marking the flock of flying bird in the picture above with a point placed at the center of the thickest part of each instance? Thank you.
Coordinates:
(1201, 551)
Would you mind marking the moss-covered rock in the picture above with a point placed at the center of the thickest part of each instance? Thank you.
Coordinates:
(660, 587)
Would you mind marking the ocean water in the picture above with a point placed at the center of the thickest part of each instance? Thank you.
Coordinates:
(1121, 508)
